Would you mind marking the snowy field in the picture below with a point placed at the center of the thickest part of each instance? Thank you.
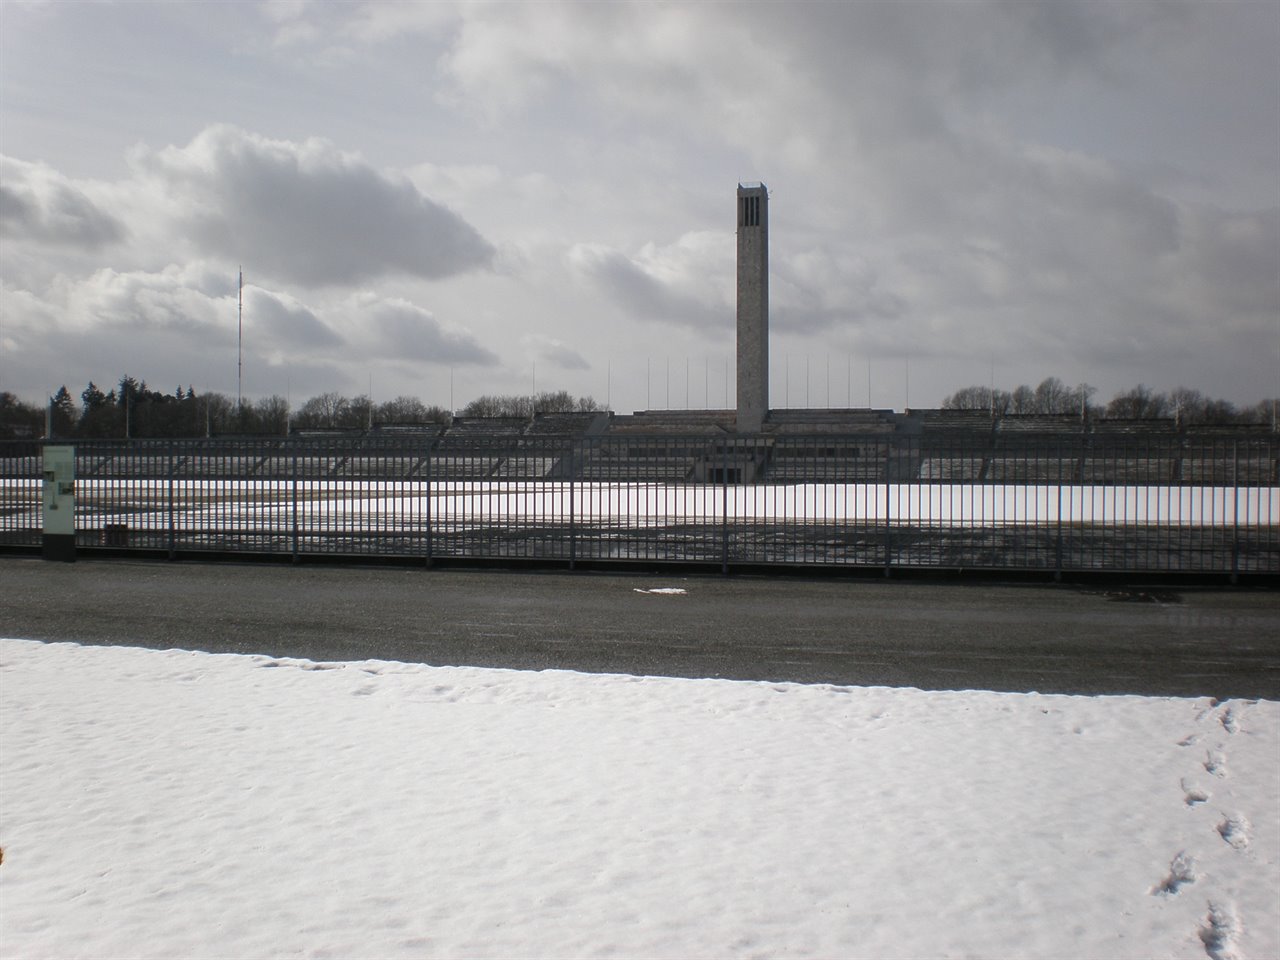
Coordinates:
(171, 803)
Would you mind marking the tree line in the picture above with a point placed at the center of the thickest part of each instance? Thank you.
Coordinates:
(1053, 397)
(131, 409)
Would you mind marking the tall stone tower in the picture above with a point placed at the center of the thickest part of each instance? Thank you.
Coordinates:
(753, 306)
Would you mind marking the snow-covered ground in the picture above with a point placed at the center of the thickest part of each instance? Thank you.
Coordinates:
(178, 804)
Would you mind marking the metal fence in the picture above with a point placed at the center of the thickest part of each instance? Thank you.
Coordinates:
(1172, 503)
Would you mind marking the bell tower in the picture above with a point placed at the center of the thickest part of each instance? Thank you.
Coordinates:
(753, 306)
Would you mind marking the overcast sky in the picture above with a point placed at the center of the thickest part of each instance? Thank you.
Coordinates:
(541, 195)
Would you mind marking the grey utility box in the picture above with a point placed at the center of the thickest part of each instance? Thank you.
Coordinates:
(59, 502)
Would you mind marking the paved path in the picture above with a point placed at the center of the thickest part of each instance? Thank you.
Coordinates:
(934, 636)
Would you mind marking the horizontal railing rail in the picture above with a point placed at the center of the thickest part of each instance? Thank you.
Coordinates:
(1055, 503)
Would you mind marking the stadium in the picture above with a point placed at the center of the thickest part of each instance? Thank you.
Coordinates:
(851, 489)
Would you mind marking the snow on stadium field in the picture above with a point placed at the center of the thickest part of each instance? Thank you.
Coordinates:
(155, 504)
(171, 803)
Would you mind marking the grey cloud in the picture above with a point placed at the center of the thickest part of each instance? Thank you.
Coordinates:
(555, 353)
(641, 295)
(1031, 186)
(1236, 255)
(1061, 206)
(811, 290)
(287, 323)
(307, 213)
(819, 288)
(408, 332)
(564, 357)
(36, 203)
(962, 50)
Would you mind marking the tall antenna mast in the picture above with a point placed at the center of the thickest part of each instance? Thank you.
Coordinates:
(240, 342)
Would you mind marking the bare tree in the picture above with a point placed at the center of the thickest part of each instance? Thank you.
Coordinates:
(995, 402)
(358, 414)
(1022, 400)
(218, 411)
(271, 414)
(1265, 411)
(1139, 403)
(490, 405)
(1053, 397)
(328, 410)
(403, 409)
(1080, 398)
(526, 405)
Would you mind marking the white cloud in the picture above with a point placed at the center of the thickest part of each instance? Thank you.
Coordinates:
(554, 352)
(284, 323)
(174, 300)
(1079, 189)
(685, 284)
(306, 212)
(39, 204)
(403, 331)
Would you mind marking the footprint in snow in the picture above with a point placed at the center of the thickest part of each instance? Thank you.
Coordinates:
(1216, 764)
(1193, 795)
(1235, 831)
(1228, 720)
(1181, 872)
(1219, 932)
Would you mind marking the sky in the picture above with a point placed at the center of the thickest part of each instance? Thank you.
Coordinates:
(444, 200)
(170, 803)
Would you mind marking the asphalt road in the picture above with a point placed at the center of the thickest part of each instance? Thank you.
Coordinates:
(1053, 639)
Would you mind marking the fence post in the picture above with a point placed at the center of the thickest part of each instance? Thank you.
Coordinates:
(1235, 511)
(888, 512)
(293, 499)
(172, 531)
(430, 497)
(573, 522)
(1057, 562)
(724, 508)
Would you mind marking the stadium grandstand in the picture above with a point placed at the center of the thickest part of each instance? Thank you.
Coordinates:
(701, 446)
